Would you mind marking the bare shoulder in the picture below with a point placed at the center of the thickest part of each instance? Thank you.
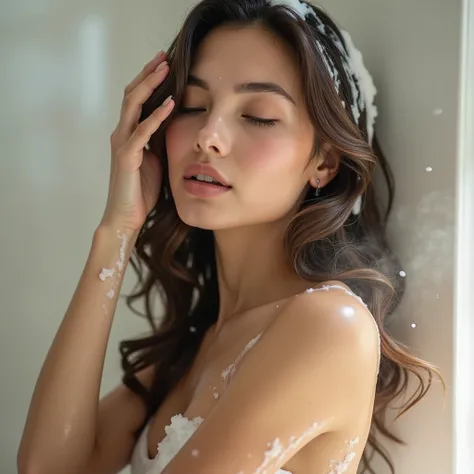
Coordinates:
(333, 307)
(333, 323)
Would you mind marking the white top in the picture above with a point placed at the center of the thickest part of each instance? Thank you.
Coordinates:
(181, 429)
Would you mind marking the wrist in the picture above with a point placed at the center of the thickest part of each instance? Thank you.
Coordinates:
(114, 233)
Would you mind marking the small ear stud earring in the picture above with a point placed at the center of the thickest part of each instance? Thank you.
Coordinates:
(317, 191)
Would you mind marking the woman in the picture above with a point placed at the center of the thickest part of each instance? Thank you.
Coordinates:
(248, 197)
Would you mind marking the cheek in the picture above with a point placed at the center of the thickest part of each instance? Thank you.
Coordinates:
(175, 141)
(177, 149)
(270, 156)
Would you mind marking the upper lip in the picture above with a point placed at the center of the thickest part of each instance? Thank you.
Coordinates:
(200, 168)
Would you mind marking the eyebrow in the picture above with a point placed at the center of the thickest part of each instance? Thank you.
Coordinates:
(246, 87)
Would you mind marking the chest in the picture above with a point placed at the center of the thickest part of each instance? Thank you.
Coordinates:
(199, 391)
(212, 370)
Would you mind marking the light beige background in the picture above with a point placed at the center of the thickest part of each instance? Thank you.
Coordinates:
(63, 69)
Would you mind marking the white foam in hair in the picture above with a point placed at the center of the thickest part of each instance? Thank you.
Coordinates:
(352, 61)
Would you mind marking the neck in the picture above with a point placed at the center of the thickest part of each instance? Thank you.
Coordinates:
(252, 268)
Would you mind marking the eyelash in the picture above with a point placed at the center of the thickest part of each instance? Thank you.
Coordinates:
(259, 122)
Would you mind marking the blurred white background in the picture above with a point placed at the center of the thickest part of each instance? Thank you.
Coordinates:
(63, 69)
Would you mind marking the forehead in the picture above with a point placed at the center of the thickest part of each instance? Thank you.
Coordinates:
(250, 53)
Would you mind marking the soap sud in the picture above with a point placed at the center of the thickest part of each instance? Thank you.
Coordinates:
(413, 325)
(338, 467)
(300, 8)
(403, 274)
(339, 287)
(429, 169)
(120, 263)
(353, 442)
(437, 111)
(228, 373)
(178, 432)
(192, 329)
(110, 272)
(275, 450)
(106, 273)
(181, 429)
(277, 454)
(353, 67)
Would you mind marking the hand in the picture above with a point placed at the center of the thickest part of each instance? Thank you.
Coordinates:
(136, 174)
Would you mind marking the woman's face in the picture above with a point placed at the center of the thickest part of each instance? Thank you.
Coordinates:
(258, 141)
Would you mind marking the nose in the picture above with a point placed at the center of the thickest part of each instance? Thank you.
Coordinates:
(213, 139)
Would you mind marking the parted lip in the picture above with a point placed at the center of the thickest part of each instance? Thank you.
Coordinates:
(201, 168)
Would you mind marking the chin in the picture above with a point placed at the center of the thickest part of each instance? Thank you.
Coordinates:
(206, 222)
(204, 216)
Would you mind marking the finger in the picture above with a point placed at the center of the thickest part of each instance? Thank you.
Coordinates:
(148, 69)
(143, 132)
(145, 72)
(132, 105)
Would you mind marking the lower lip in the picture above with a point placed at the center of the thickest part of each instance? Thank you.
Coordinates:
(200, 189)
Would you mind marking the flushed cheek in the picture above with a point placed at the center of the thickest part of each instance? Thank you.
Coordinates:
(268, 157)
(176, 146)
(275, 168)
(172, 133)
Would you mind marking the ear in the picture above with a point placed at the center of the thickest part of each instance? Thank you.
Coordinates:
(326, 166)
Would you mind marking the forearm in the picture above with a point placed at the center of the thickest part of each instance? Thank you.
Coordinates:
(60, 430)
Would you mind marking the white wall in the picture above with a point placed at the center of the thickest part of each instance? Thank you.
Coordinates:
(412, 49)
(63, 71)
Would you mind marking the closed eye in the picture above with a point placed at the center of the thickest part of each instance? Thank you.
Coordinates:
(258, 121)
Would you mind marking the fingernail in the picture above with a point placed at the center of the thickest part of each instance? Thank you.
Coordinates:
(161, 66)
(158, 54)
(167, 100)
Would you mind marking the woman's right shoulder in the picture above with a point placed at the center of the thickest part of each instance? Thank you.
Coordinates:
(120, 414)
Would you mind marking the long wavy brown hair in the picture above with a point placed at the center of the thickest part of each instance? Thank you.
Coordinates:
(324, 240)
